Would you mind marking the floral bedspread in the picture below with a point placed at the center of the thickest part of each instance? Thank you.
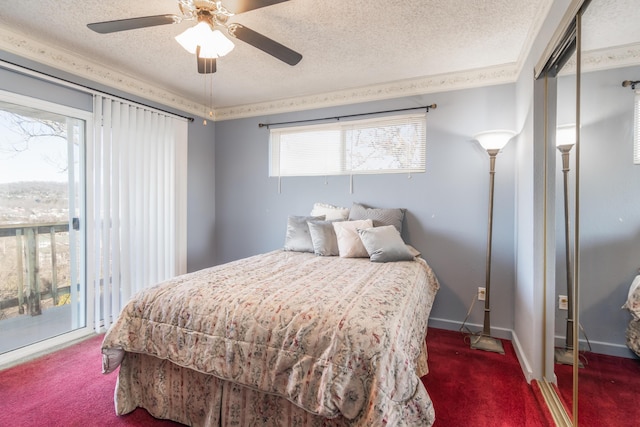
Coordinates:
(335, 336)
(633, 305)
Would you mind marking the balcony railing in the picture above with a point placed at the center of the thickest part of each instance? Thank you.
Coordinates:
(28, 289)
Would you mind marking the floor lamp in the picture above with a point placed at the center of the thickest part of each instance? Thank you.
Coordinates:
(565, 140)
(492, 141)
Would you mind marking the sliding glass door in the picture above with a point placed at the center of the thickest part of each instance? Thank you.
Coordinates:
(43, 293)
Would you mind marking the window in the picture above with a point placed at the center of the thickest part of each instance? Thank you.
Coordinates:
(391, 144)
(43, 292)
(636, 129)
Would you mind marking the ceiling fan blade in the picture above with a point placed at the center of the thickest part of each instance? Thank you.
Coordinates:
(239, 6)
(265, 44)
(205, 65)
(132, 23)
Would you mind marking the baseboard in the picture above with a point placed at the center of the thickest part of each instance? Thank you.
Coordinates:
(524, 362)
(452, 325)
(607, 348)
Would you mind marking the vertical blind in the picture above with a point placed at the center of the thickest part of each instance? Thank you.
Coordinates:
(136, 203)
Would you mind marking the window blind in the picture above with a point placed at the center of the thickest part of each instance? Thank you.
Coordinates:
(136, 203)
(390, 144)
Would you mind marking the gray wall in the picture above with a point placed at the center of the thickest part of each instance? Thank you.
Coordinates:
(201, 206)
(609, 207)
(446, 206)
(28, 86)
(200, 184)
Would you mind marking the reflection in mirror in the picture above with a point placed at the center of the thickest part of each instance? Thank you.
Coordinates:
(609, 217)
(566, 154)
(565, 141)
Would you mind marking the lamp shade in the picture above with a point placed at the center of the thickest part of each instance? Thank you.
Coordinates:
(566, 135)
(213, 44)
(494, 139)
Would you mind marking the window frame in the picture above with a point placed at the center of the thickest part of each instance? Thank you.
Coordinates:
(340, 148)
(86, 312)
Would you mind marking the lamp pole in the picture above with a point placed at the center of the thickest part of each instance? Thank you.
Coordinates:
(565, 356)
(492, 142)
(565, 149)
(486, 327)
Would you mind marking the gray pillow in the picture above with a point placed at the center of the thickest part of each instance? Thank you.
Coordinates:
(379, 216)
(323, 238)
(384, 244)
(298, 238)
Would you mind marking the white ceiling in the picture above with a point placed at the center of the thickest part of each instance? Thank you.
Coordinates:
(353, 50)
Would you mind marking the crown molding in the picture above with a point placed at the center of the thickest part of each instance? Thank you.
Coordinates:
(602, 59)
(605, 59)
(72, 63)
(419, 86)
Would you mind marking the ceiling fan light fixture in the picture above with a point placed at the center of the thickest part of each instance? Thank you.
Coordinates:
(216, 46)
(213, 44)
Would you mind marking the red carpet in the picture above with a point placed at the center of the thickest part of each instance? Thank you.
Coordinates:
(468, 388)
(478, 388)
(607, 390)
(66, 388)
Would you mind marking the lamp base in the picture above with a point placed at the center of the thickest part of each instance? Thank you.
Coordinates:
(487, 343)
(564, 356)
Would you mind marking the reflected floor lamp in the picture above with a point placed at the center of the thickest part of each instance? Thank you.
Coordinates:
(492, 141)
(565, 140)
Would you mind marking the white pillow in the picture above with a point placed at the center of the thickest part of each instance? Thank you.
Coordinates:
(384, 244)
(349, 243)
(330, 212)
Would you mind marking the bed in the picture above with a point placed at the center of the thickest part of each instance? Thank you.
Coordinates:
(633, 305)
(285, 338)
(328, 331)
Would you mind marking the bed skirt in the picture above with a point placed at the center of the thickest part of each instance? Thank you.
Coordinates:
(168, 391)
(633, 336)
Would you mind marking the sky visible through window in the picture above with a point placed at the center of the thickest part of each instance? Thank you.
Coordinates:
(31, 148)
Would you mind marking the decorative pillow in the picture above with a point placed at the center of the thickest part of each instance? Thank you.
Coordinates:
(349, 243)
(323, 238)
(330, 212)
(384, 244)
(378, 216)
(298, 238)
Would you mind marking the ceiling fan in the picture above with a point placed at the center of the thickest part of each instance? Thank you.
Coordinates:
(215, 16)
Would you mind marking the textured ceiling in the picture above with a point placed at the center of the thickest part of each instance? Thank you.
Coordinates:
(349, 47)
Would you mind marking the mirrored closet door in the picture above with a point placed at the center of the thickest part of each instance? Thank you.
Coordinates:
(558, 80)
(593, 198)
(609, 211)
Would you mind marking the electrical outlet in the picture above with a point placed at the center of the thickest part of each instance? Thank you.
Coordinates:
(481, 294)
(563, 302)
